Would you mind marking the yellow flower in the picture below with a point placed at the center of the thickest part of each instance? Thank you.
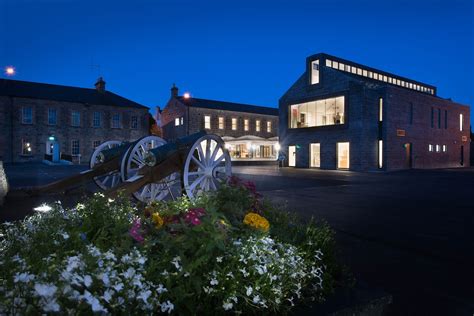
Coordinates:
(156, 218)
(256, 221)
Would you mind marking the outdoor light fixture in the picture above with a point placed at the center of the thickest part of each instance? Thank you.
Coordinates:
(277, 147)
(186, 95)
(10, 71)
(51, 138)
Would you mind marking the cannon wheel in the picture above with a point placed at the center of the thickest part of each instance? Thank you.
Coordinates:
(111, 179)
(207, 166)
(135, 160)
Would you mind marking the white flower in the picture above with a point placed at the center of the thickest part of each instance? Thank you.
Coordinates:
(118, 287)
(214, 282)
(161, 289)
(227, 305)
(249, 290)
(45, 290)
(65, 235)
(43, 208)
(261, 269)
(219, 259)
(87, 280)
(73, 263)
(105, 279)
(129, 273)
(51, 306)
(256, 299)
(244, 272)
(108, 295)
(23, 277)
(176, 263)
(144, 295)
(186, 274)
(167, 307)
(93, 302)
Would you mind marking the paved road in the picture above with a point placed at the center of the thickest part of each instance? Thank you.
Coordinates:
(409, 233)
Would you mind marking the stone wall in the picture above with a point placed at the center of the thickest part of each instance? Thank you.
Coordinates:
(3, 183)
(39, 131)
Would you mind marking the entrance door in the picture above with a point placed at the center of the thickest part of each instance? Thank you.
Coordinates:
(52, 149)
(315, 155)
(291, 156)
(343, 155)
(408, 156)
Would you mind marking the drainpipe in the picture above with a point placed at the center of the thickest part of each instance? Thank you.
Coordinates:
(11, 129)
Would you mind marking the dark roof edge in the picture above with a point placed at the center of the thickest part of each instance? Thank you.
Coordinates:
(255, 107)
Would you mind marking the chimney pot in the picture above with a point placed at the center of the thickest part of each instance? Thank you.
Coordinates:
(100, 85)
(174, 91)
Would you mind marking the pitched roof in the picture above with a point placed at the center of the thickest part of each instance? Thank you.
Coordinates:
(36, 90)
(227, 106)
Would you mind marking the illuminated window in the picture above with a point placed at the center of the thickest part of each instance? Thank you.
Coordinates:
(234, 124)
(318, 113)
(207, 121)
(385, 78)
(27, 115)
(389, 79)
(430, 148)
(257, 125)
(370, 74)
(176, 121)
(341, 66)
(335, 65)
(26, 148)
(315, 150)
(76, 118)
(75, 149)
(437, 148)
(328, 63)
(380, 109)
(445, 148)
(182, 120)
(246, 125)
(461, 122)
(315, 71)
(96, 119)
(359, 71)
(380, 149)
(353, 69)
(376, 76)
(364, 73)
(116, 121)
(269, 126)
(134, 122)
(221, 122)
(52, 116)
(343, 155)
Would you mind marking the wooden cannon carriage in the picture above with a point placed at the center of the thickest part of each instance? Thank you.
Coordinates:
(151, 169)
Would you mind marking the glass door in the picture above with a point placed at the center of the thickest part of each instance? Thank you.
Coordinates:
(315, 155)
(343, 155)
(291, 156)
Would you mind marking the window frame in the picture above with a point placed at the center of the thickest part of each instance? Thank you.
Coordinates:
(207, 125)
(319, 98)
(258, 125)
(50, 110)
(78, 147)
(73, 118)
(134, 122)
(23, 116)
(113, 120)
(97, 118)
(234, 127)
(25, 144)
(221, 122)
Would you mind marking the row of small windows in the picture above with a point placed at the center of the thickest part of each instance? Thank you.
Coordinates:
(374, 75)
(438, 148)
(234, 124)
(116, 120)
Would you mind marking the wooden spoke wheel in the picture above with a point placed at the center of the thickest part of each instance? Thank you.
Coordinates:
(134, 160)
(111, 179)
(207, 166)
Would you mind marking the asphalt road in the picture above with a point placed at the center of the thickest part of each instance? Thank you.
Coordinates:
(408, 233)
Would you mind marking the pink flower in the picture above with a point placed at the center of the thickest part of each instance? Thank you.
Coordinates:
(193, 214)
(135, 232)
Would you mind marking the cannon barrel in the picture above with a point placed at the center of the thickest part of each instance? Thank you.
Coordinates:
(159, 154)
(109, 154)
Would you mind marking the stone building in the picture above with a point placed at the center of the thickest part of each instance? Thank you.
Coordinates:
(343, 115)
(249, 131)
(52, 122)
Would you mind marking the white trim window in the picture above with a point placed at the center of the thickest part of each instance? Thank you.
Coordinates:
(234, 124)
(257, 125)
(269, 126)
(207, 121)
(96, 119)
(116, 122)
(75, 118)
(134, 122)
(27, 115)
(75, 148)
(52, 116)
(221, 122)
(246, 125)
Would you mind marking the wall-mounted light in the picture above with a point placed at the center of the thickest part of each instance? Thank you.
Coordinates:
(277, 147)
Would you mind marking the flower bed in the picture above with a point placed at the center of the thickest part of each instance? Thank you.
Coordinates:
(228, 251)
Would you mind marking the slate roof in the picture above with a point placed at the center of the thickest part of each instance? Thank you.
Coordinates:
(227, 106)
(44, 91)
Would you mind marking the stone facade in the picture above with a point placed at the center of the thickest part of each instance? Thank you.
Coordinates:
(405, 130)
(15, 132)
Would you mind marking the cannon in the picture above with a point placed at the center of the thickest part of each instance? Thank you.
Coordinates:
(151, 169)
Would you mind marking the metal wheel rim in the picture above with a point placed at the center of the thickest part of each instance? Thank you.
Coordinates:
(207, 166)
(112, 178)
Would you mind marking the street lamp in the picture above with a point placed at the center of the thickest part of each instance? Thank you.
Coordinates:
(10, 71)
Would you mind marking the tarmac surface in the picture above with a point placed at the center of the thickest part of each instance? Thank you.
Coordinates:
(408, 233)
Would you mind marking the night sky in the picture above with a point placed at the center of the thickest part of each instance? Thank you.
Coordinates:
(241, 51)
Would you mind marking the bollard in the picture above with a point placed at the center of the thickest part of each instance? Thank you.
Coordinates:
(3, 184)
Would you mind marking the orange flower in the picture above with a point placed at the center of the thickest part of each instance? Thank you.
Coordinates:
(156, 218)
(256, 221)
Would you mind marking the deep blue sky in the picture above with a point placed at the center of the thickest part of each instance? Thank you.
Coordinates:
(242, 51)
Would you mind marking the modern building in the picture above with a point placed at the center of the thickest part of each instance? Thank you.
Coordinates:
(343, 115)
(52, 122)
(249, 131)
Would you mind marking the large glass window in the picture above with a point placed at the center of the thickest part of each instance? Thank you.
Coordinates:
(207, 121)
(291, 156)
(343, 155)
(380, 149)
(317, 113)
(461, 122)
(315, 152)
(221, 122)
(315, 71)
(96, 119)
(52, 116)
(380, 109)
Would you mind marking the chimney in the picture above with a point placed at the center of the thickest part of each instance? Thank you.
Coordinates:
(100, 85)
(158, 115)
(174, 91)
